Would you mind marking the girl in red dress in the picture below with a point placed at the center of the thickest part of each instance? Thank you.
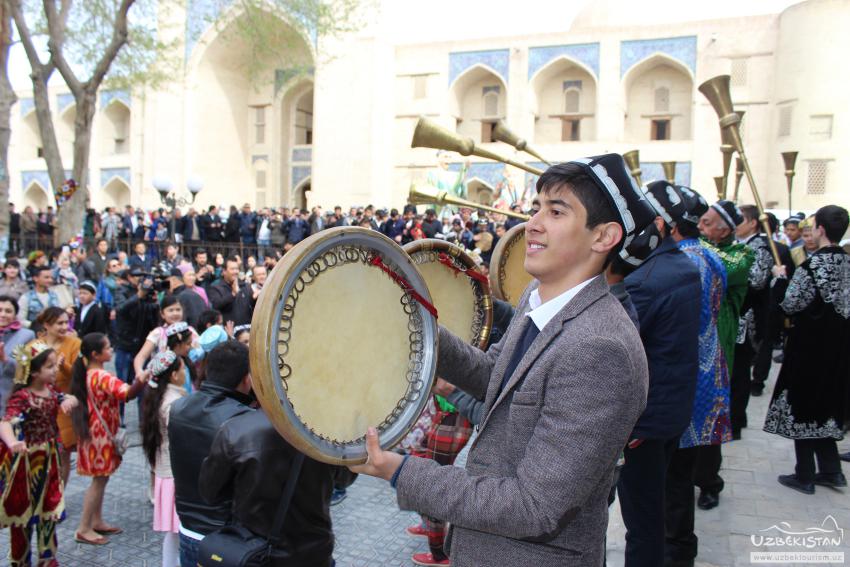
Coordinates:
(30, 483)
(98, 392)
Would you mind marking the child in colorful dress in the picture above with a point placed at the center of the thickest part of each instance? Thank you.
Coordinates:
(30, 483)
(96, 423)
(165, 386)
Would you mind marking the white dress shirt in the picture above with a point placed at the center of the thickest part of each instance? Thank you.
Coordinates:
(541, 313)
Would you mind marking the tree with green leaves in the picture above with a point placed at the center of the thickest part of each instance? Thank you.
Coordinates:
(122, 44)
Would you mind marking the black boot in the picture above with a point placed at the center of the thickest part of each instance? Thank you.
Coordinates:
(791, 481)
(708, 500)
(834, 480)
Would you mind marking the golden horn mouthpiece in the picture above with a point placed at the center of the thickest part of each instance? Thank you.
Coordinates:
(430, 196)
(429, 134)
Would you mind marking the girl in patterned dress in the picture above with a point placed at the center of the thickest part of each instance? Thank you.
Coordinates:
(30, 483)
(98, 391)
(164, 388)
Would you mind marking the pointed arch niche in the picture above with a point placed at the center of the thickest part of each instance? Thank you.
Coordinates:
(296, 136)
(115, 128)
(480, 191)
(116, 193)
(478, 99)
(564, 103)
(35, 196)
(31, 147)
(659, 100)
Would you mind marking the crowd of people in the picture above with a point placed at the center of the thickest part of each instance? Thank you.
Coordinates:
(594, 395)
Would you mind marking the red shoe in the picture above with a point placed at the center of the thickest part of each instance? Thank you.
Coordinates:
(427, 559)
(416, 531)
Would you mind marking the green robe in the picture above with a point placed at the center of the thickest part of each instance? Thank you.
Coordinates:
(452, 182)
(737, 259)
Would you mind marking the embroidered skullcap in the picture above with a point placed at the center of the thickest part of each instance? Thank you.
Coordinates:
(213, 337)
(642, 246)
(729, 212)
(176, 328)
(239, 328)
(667, 201)
(89, 285)
(695, 205)
(160, 363)
(795, 220)
(23, 355)
(609, 173)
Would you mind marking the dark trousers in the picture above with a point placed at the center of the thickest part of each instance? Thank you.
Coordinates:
(641, 493)
(680, 540)
(762, 360)
(826, 451)
(739, 385)
(707, 470)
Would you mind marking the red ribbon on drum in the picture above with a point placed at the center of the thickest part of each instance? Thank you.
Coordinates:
(378, 262)
(474, 274)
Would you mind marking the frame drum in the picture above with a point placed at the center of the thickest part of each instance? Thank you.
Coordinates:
(460, 292)
(508, 277)
(343, 338)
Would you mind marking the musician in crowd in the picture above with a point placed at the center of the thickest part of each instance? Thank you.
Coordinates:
(665, 290)
(709, 423)
(754, 321)
(562, 390)
(809, 401)
(193, 423)
(717, 226)
(810, 245)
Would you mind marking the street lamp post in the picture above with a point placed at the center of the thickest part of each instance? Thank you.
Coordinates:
(170, 199)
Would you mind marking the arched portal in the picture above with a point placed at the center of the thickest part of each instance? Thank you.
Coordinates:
(564, 103)
(659, 99)
(65, 131)
(300, 194)
(31, 147)
(480, 191)
(116, 193)
(295, 134)
(478, 99)
(115, 129)
(235, 110)
(36, 196)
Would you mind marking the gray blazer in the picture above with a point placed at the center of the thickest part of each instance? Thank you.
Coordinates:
(535, 488)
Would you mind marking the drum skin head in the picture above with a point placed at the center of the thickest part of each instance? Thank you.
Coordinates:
(338, 346)
(508, 278)
(463, 302)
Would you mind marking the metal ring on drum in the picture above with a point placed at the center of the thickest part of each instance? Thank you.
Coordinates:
(508, 278)
(340, 343)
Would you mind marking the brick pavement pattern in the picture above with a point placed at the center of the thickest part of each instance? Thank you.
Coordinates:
(370, 528)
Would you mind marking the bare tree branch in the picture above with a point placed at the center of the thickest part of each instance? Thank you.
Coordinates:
(119, 38)
(25, 34)
(56, 31)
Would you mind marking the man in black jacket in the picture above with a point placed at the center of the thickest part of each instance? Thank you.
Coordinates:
(249, 463)
(90, 316)
(230, 296)
(193, 423)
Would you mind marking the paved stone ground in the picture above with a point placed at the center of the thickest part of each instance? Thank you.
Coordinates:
(370, 528)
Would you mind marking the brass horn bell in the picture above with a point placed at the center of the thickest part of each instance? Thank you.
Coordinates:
(790, 158)
(721, 190)
(429, 196)
(429, 134)
(632, 160)
(504, 134)
(739, 174)
(669, 171)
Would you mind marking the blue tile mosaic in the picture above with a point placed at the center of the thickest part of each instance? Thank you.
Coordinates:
(653, 171)
(107, 173)
(490, 173)
(64, 100)
(302, 154)
(497, 60)
(300, 173)
(40, 177)
(108, 96)
(682, 49)
(27, 104)
(201, 14)
(585, 53)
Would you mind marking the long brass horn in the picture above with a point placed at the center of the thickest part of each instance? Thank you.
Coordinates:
(727, 149)
(429, 196)
(721, 190)
(739, 174)
(429, 134)
(669, 171)
(790, 158)
(716, 90)
(502, 133)
(632, 160)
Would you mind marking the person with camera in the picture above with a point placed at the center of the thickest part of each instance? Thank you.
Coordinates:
(136, 315)
(232, 297)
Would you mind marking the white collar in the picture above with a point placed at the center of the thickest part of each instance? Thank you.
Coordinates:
(541, 313)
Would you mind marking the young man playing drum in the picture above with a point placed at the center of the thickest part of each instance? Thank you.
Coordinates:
(562, 390)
